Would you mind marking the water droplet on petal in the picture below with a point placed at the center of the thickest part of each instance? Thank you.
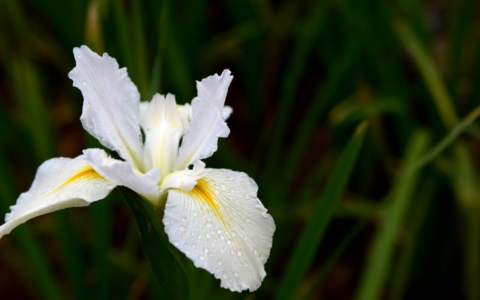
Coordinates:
(84, 82)
(199, 236)
(239, 253)
(182, 228)
(184, 219)
(246, 196)
(232, 252)
(205, 250)
(97, 185)
(176, 244)
(219, 263)
(109, 187)
(236, 274)
(224, 188)
(231, 177)
(79, 56)
(208, 224)
(248, 220)
(202, 258)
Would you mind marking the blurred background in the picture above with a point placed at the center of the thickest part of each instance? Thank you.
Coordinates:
(385, 211)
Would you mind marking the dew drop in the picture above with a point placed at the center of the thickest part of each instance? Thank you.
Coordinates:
(248, 220)
(208, 235)
(182, 228)
(229, 242)
(202, 258)
(199, 236)
(109, 187)
(265, 215)
(84, 82)
(97, 185)
(231, 177)
(219, 263)
(187, 252)
(79, 56)
(219, 231)
(239, 253)
(176, 244)
(184, 219)
(261, 256)
(246, 264)
(232, 252)
(167, 223)
(236, 274)
(205, 250)
(255, 251)
(225, 275)
(247, 196)
(208, 224)
(242, 183)
(224, 188)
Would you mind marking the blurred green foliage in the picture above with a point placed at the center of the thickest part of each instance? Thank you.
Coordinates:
(397, 217)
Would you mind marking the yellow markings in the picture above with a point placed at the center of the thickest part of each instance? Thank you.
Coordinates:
(202, 191)
(85, 173)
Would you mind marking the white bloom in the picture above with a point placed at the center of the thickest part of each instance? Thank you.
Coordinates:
(211, 215)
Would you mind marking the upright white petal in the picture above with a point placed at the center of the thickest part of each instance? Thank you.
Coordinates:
(111, 106)
(222, 227)
(207, 124)
(121, 173)
(185, 112)
(59, 183)
(163, 129)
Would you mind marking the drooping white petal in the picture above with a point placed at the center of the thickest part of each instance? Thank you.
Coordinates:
(111, 106)
(222, 227)
(59, 183)
(207, 124)
(121, 173)
(163, 129)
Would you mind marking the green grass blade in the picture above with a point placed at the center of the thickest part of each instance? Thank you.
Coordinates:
(444, 143)
(429, 72)
(168, 271)
(333, 258)
(319, 106)
(465, 182)
(290, 82)
(379, 258)
(159, 61)
(139, 47)
(323, 212)
(402, 271)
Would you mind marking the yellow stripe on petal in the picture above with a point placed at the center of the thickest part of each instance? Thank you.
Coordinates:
(83, 174)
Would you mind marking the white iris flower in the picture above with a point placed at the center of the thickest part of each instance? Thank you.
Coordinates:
(211, 215)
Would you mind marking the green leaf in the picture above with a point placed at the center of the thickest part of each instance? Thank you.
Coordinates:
(312, 235)
(168, 271)
(380, 255)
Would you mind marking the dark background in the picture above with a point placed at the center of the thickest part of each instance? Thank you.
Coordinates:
(306, 73)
